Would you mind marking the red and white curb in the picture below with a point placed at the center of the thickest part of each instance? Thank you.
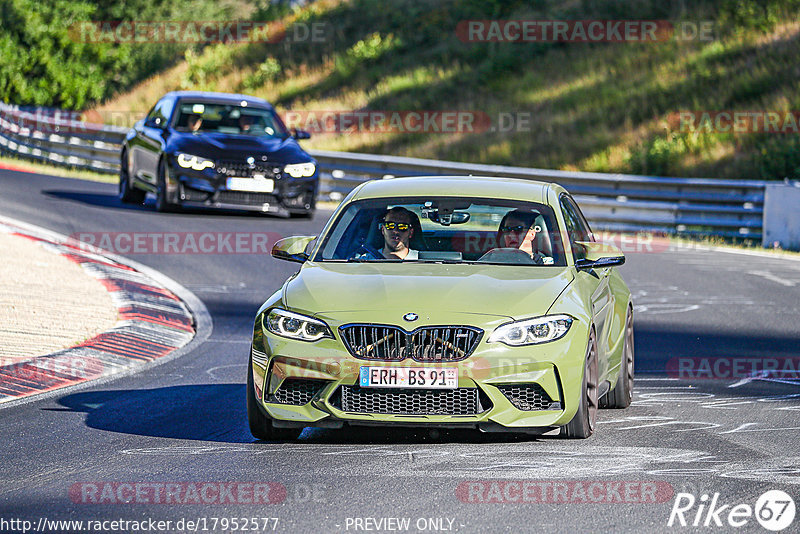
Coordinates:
(158, 321)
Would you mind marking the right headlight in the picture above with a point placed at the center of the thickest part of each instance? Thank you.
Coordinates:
(532, 331)
(295, 326)
(300, 170)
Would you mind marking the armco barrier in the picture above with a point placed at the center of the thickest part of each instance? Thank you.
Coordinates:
(617, 202)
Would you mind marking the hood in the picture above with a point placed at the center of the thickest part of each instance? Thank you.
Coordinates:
(425, 289)
(225, 146)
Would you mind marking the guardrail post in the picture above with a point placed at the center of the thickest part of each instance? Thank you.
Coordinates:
(782, 216)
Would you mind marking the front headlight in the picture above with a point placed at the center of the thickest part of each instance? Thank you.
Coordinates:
(532, 331)
(188, 161)
(300, 170)
(295, 326)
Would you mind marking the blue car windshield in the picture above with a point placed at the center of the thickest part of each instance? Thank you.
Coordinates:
(444, 230)
(235, 119)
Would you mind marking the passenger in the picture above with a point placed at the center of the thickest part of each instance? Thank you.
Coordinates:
(245, 123)
(397, 228)
(518, 230)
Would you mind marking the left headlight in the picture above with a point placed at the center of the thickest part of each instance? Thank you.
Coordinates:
(532, 331)
(300, 170)
(188, 161)
(295, 326)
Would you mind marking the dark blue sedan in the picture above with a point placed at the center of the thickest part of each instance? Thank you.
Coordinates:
(217, 150)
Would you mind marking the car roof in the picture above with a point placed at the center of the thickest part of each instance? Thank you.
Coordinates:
(226, 98)
(460, 186)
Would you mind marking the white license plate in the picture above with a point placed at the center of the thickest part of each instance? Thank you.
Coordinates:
(256, 185)
(408, 377)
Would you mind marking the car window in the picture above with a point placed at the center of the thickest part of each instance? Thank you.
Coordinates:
(576, 226)
(446, 229)
(233, 119)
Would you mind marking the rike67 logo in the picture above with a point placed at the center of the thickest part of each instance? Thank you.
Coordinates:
(774, 510)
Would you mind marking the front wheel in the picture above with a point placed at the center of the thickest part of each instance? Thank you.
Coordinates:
(127, 193)
(582, 425)
(162, 204)
(622, 394)
(261, 425)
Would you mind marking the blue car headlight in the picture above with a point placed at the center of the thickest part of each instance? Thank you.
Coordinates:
(196, 163)
(532, 331)
(300, 170)
(295, 326)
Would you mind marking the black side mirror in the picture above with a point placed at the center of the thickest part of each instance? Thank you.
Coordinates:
(300, 134)
(602, 263)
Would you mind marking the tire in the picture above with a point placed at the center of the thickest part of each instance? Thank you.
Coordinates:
(127, 193)
(162, 204)
(260, 425)
(582, 425)
(622, 394)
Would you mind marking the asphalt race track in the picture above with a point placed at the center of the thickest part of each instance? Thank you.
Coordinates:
(184, 422)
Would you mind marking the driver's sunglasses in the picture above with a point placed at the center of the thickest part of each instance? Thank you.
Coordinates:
(403, 227)
(518, 228)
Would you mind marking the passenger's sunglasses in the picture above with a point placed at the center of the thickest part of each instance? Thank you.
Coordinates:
(518, 228)
(403, 227)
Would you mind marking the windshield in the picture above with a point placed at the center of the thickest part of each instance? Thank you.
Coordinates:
(233, 119)
(444, 230)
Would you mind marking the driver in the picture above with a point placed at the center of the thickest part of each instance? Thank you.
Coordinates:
(194, 122)
(518, 230)
(397, 229)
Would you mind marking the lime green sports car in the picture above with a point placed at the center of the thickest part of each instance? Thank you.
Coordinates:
(436, 301)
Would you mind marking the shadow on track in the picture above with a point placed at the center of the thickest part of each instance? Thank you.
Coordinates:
(217, 413)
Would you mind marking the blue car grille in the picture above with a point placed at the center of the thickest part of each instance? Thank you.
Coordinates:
(426, 344)
(243, 169)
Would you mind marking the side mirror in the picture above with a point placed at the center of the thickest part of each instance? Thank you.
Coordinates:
(292, 248)
(300, 134)
(599, 256)
(157, 122)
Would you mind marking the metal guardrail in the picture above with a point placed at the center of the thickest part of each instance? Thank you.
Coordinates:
(615, 202)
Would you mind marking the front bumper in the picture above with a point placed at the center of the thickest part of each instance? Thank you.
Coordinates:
(500, 388)
(208, 189)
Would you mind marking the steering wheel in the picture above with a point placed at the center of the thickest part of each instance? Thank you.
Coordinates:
(509, 255)
(367, 250)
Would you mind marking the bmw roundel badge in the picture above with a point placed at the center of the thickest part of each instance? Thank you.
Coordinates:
(411, 317)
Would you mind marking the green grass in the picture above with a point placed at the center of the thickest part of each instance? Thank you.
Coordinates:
(598, 107)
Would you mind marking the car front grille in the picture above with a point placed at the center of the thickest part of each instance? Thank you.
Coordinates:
(243, 169)
(245, 198)
(425, 344)
(528, 397)
(459, 401)
(297, 392)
